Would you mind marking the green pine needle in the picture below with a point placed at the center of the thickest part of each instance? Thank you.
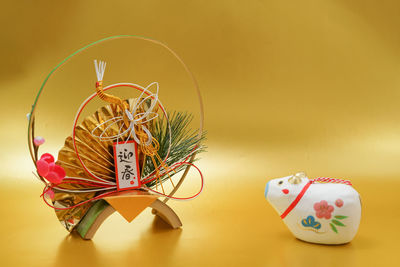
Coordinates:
(183, 141)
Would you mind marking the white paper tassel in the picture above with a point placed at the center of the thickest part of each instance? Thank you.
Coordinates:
(100, 69)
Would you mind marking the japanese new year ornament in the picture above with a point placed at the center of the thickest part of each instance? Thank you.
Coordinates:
(118, 158)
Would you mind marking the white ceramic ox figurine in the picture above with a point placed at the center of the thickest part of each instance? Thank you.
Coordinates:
(323, 210)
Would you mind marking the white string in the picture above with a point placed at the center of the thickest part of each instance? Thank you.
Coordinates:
(138, 119)
(105, 138)
(100, 69)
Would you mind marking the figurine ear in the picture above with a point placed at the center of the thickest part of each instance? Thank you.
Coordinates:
(296, 179)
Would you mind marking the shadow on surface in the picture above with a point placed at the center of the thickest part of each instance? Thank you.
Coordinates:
(161, 239)
(298, 252)
(67, 252)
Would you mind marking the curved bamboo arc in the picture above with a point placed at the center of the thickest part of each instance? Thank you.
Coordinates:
(161, 209)
(33, 151)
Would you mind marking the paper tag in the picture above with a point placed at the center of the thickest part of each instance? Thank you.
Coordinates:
(126, 165)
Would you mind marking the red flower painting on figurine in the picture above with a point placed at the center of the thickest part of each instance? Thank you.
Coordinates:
(339, 203)
(323, 209)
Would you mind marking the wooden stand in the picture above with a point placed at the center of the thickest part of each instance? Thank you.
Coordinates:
(129, 204)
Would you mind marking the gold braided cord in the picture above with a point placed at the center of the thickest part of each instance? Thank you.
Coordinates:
(110, 98)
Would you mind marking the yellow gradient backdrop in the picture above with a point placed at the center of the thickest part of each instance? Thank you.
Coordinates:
(288, 86)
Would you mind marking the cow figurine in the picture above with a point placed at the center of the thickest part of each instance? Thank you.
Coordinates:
(322, 210)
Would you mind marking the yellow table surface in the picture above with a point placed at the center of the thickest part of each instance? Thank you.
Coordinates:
(288, 86)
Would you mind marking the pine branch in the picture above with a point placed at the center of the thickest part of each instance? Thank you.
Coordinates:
(183, 141)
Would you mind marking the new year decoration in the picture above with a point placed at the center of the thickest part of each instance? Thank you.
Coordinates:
(120, 157)
(322, 210)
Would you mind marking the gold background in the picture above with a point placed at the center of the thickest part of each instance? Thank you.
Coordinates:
(287, 86)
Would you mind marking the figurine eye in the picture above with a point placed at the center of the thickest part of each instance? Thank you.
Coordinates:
(280, 182)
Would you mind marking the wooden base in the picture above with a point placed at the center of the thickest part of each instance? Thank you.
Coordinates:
(102, 209)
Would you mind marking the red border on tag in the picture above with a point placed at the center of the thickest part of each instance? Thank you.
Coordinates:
(137, 166)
